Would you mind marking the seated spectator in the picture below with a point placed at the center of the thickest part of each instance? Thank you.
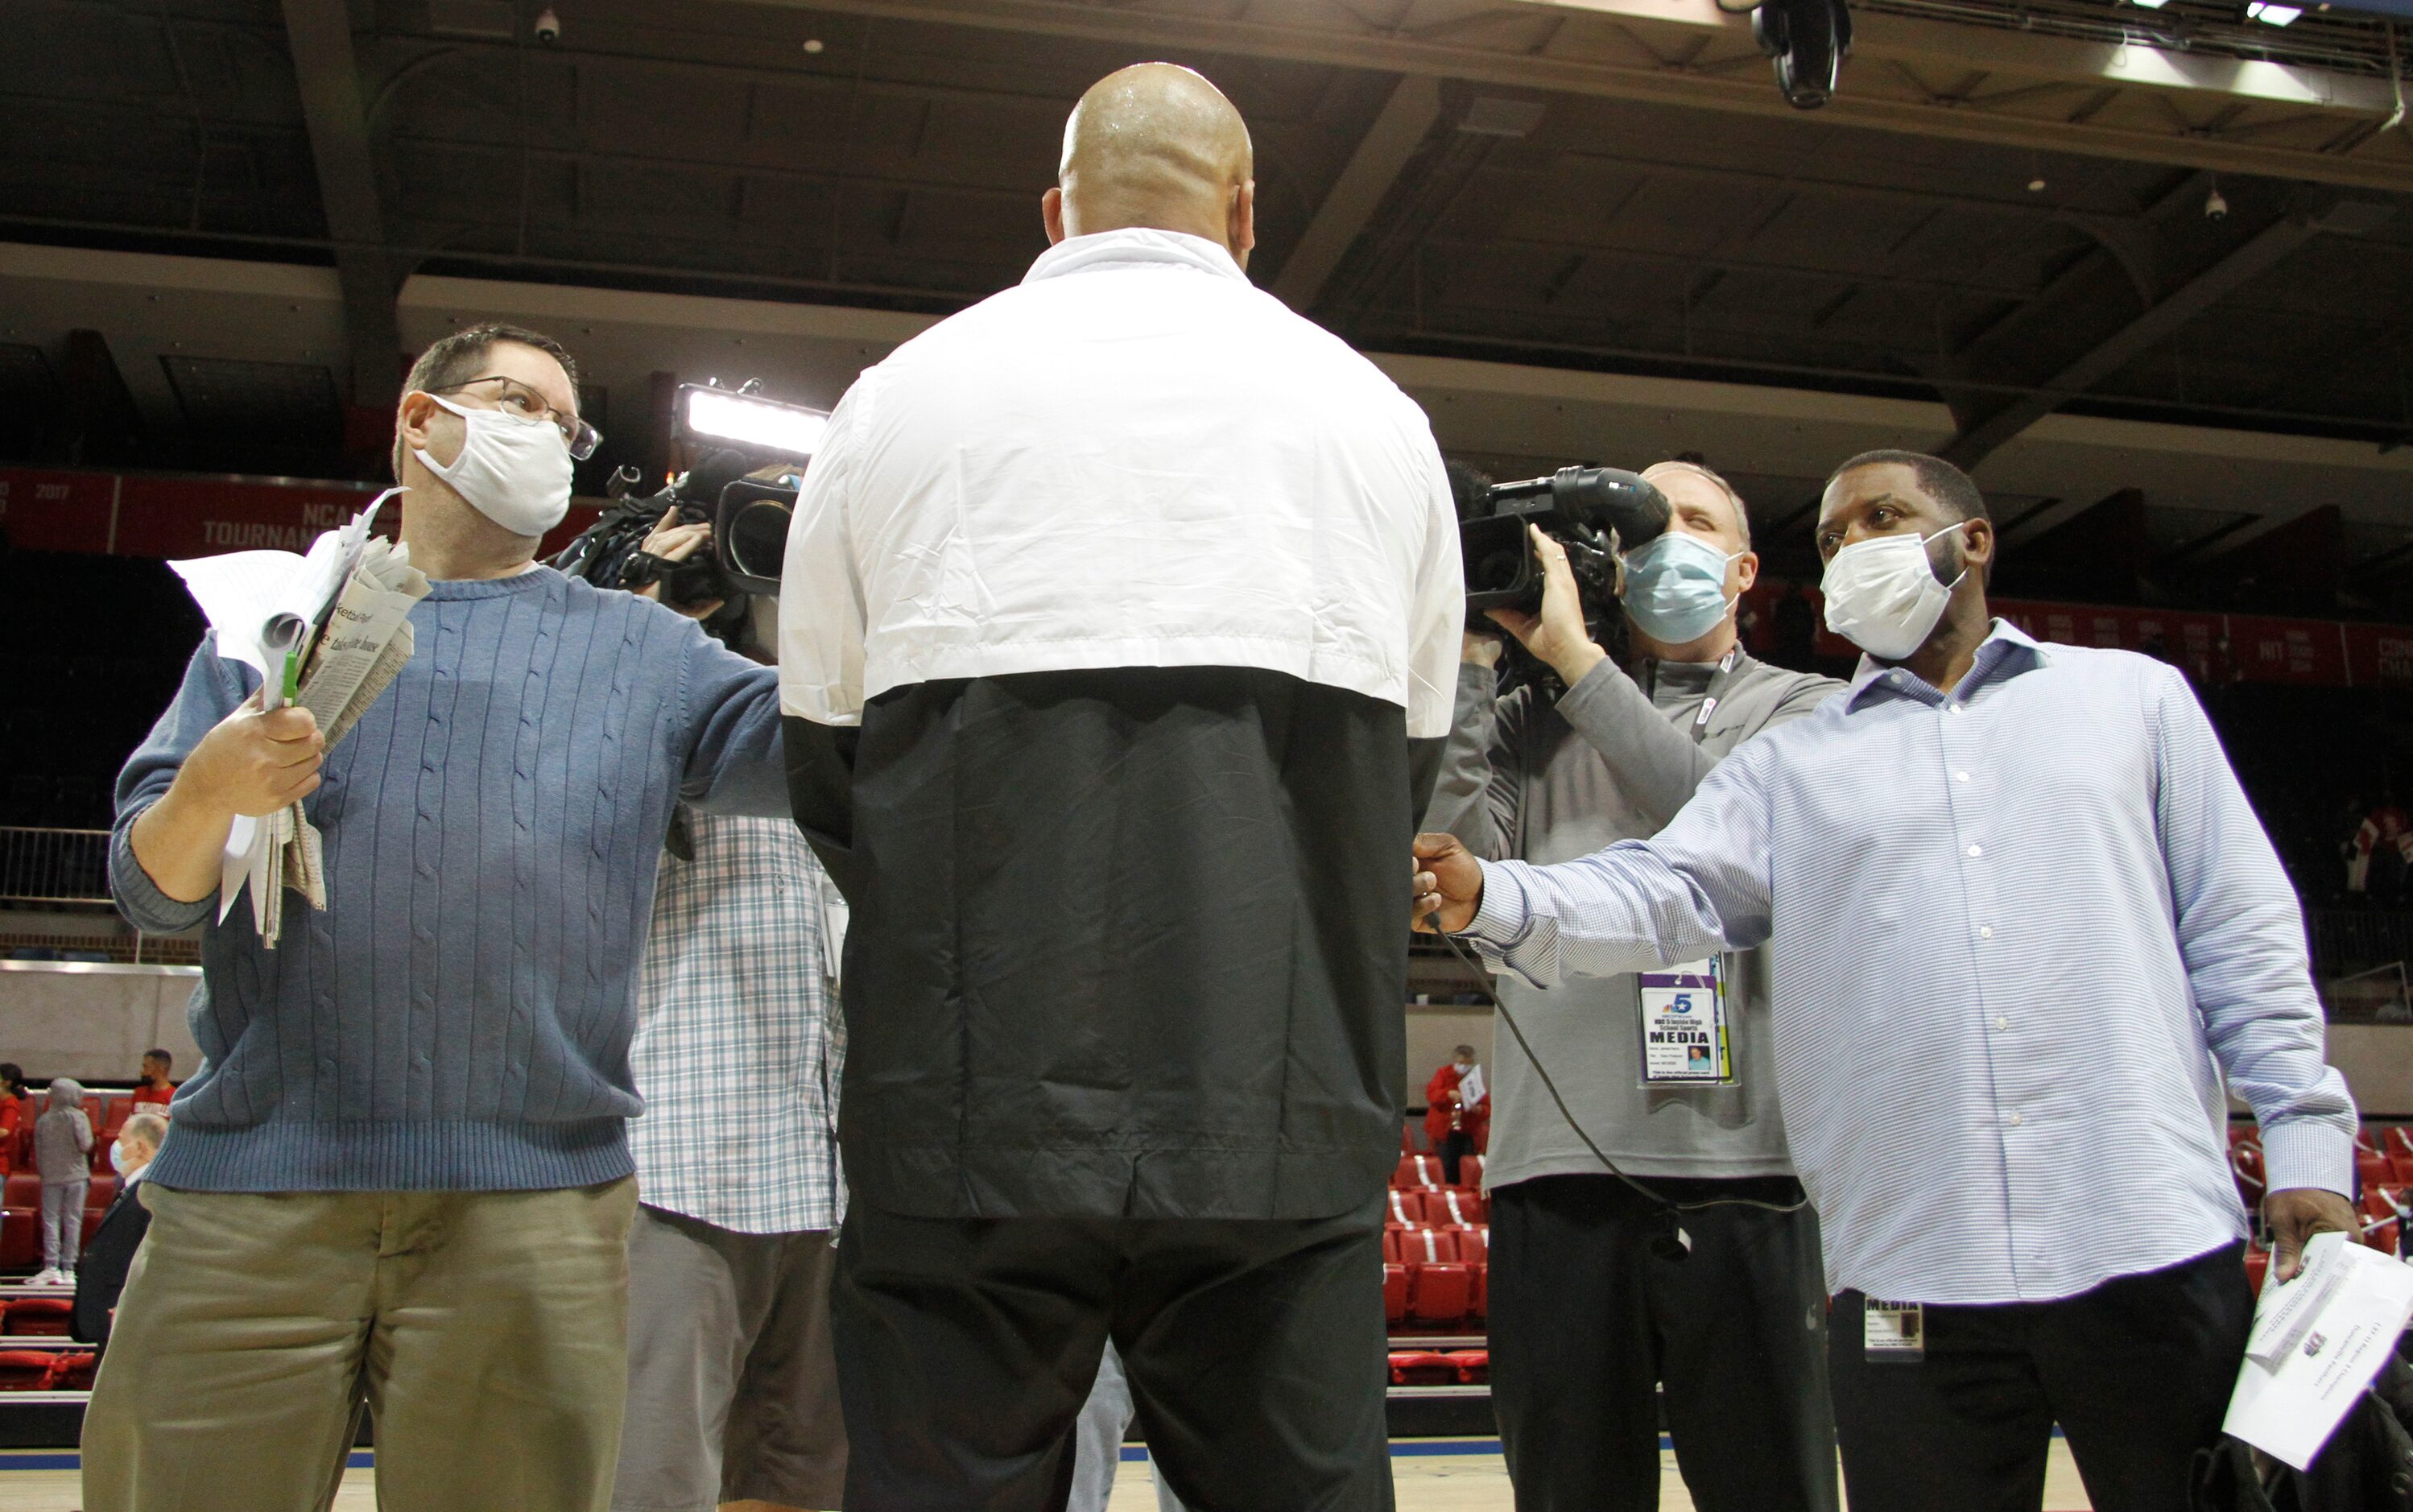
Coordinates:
(13, 1099)
(102, 1274)
(63, 1153)
(152, 1093)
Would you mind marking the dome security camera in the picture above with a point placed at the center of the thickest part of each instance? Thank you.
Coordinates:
(548, 26)
(2215, 207)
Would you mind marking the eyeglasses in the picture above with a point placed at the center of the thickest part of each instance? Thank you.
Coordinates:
(516, 398)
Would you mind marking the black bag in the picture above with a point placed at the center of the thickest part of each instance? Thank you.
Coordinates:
(2366, 1466)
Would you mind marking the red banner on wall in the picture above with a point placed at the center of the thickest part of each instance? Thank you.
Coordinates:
(180, 517)
(2212, 648)
(174, 518)
(2379, 656)
(57, 511)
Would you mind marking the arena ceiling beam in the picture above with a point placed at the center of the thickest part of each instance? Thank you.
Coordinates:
(1406, 118)
(2076, 300)
(320, 33)
(1906, 75)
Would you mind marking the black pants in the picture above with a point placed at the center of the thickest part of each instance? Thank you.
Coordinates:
(2138, 1372)
(1586, 1320)
(1455, 1147)
(1254, 1350)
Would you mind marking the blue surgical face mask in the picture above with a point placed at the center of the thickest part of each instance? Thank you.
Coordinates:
(1676, 587)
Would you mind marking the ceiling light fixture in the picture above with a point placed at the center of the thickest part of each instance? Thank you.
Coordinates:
(2270, 13)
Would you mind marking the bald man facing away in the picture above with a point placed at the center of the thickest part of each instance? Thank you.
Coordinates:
(1120, 638)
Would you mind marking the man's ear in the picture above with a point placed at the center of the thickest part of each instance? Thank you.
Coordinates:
(1746, 571)
(1242, 230)
(1978, 540)
(1051, 212)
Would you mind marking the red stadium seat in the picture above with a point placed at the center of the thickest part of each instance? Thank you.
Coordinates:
(1474, 1366)
(23, 1190)
(1404, 1208)
(1475, 1244)
(1470, 1170)
(1426, 1247)
(1482, 1292)
(2399, 1163)
(2366, 1138)
(1418, 1172)
(1422, 1367)
(2372, 1168)
(1456, 1207)
(1440, 1293)
(110, 1116)
(2258, 1265)
(26, 1370)
(1394, 1293)
(21, 1239)
(41, 1317)
(2399, 1140)
(74, 1372)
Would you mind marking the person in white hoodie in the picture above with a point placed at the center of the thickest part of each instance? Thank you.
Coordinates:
(63, 1154)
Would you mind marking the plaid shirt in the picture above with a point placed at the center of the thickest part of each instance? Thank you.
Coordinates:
(738, 1047)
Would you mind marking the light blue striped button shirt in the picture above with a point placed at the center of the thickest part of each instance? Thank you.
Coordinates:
(2013, 929)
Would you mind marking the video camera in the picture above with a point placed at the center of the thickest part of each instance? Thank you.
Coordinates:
(1582, 507)
(733, 433)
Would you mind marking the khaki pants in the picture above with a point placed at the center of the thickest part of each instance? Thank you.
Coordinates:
(486, 1332)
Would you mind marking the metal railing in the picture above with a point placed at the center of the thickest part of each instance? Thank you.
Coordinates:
(2346, 941)
(54, 866)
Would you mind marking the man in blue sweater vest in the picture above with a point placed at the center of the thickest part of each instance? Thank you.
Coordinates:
(401, 1177)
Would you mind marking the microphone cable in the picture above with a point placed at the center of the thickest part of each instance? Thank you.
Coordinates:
(1674, 1244)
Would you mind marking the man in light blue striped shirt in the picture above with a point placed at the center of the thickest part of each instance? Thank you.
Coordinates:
(2019, 908)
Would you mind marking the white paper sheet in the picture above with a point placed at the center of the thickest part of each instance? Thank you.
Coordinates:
(2328, 1330)
(266, 606)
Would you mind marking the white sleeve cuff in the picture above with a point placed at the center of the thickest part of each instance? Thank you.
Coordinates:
(2309, 1152)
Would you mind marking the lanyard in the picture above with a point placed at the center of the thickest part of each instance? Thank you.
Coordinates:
(1718, 681)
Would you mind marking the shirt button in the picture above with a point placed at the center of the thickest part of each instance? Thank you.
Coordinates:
(1985, 931)
(1959, 776)
(2016, 1121)
(2002, 1021)
(1977, 850)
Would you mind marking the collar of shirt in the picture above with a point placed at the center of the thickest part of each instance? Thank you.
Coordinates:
(2005, 652)
(1134, 246)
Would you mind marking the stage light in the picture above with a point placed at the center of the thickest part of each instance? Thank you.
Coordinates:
(2271, 14)
(750, 421)
(2149, 5)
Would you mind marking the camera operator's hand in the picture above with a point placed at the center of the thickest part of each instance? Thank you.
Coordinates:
(1448, 882)
(676, 542)
(1557, 634)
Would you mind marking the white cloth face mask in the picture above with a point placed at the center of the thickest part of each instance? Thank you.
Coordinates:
(513, 470)
(1883, 595)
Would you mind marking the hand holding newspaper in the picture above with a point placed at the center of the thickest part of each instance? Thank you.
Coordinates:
(328, 631)
(2318, 1341)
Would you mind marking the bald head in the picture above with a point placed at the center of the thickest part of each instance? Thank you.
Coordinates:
(1156, 145)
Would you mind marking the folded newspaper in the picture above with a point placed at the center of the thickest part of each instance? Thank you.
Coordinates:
(328, 631)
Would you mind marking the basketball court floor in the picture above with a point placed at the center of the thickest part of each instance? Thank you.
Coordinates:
(1432, 1476)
